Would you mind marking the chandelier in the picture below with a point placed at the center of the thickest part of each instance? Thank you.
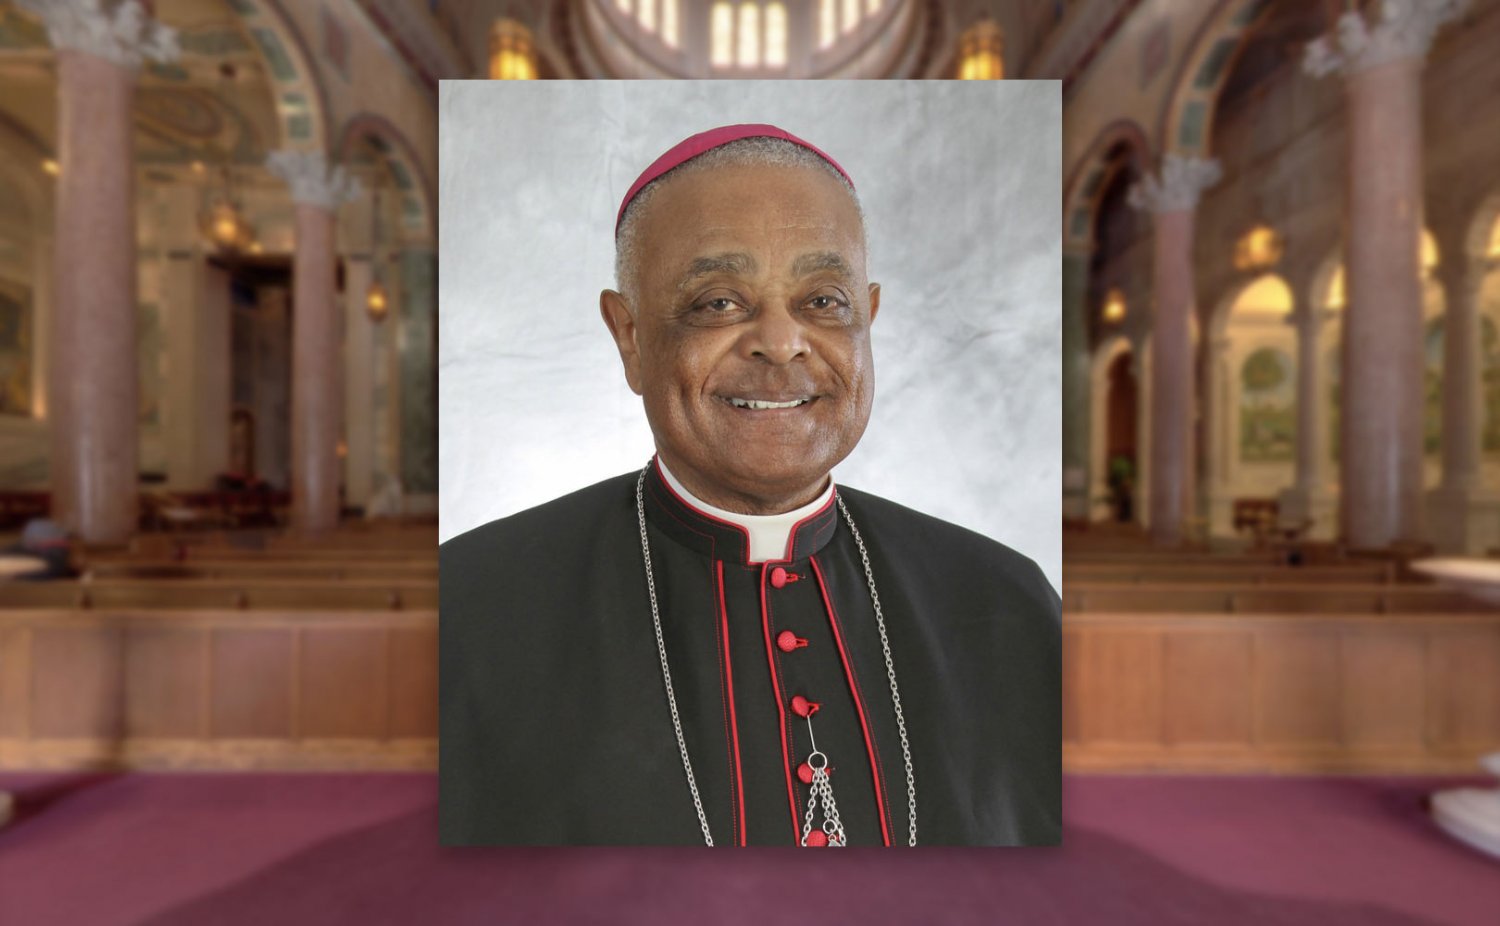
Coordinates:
(222, 220)
(377, 301)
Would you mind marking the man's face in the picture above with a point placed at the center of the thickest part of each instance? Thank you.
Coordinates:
(750, 337)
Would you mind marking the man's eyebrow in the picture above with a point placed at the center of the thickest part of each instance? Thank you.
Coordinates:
(822, 260)
(737, 262)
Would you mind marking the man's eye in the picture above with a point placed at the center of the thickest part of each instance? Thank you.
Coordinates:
(824, 302)
(721, 304)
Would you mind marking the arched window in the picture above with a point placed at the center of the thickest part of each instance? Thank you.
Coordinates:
(749, 37)
(828, 26)
(669, 33)
(645, 14)
(776, 35)
(979, 52)
(851, 15)
(512, 54)
(721, 43)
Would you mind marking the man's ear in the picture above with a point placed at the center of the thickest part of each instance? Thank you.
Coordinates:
(621, 323)
(874, 300)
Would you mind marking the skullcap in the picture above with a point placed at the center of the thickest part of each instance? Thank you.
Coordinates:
(704, 142)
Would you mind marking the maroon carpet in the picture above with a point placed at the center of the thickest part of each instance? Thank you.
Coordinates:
(329, 849)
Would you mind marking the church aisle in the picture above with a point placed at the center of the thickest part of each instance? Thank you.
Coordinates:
(327, 849)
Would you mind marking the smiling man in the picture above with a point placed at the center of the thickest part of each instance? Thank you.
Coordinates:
(726, 647)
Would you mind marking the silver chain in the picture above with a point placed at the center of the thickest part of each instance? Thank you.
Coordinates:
(890, 673)
(666, 674)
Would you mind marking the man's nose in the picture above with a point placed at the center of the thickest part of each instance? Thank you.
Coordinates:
(777, 336)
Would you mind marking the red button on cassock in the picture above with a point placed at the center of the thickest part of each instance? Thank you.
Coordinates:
(803, 707)
(817, 838)
(786, 641)
(805, 773)
(778, 577)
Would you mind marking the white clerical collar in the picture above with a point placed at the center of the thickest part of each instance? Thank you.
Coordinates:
(768, 532)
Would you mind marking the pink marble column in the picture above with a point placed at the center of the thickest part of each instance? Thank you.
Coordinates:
(92, 369)
(1381, 423)
(317, 398)
(1463, 406)
(1172, 197)
(1307, 500)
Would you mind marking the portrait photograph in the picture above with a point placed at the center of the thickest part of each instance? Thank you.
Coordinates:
(749, 415)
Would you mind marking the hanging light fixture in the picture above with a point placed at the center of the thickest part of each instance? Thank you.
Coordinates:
(1258, 250)
(979, 52)
(1114, 306)
(512, 53)
(222, 220)
(377, 302)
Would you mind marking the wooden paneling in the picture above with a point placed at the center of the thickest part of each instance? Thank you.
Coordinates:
(1464, 685)
(1384, 696)
(1072, 682)
(251, 689)
(15, 681)
(1279, 692)
(77, 681)
(343, 683)
(414, 683)
(164, 684)
(1207, 687)
(218, 689)
(1122, 681)
(1298, 688)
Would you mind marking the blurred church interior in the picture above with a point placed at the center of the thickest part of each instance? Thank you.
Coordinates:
(1280, 325)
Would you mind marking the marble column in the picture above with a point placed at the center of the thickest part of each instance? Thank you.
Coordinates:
(1075, 386)
(1220, 441)
(1308, 499)
(418, 378)
(1172, 197)
(1464, 515)
(93, 387)
(1381, 424)
(317, 396)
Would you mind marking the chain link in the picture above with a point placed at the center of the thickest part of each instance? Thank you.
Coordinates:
(666, 673)
(890, 671)
(819, 788)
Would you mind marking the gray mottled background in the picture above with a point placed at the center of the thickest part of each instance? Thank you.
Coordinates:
(959, 182)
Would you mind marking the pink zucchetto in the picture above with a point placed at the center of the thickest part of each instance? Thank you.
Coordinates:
(704, 142)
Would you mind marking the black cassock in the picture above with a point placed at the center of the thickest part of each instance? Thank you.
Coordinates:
(555, 727)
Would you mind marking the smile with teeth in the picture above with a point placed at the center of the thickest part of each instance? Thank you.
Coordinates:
(761, 404)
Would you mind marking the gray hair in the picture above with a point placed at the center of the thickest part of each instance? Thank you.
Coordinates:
(759, 151)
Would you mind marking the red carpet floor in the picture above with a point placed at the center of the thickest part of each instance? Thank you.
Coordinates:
(330, 849)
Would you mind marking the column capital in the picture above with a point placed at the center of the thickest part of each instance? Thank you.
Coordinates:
(125, 35)
(312, 181)
(1404, 30)
(1177, 184)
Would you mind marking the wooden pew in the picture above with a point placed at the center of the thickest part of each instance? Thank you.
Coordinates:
(1300, 598)
(1235, 573)
(257, 569)
(209, 594)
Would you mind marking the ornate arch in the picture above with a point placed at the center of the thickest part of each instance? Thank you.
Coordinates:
(1187, 120)
(1090, 177)
(1481, 227)
(301, 106)
(417, 214)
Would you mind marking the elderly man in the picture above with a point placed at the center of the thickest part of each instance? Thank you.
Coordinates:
(725, 647)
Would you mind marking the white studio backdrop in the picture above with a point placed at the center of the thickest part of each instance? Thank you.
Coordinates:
(959, 185)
